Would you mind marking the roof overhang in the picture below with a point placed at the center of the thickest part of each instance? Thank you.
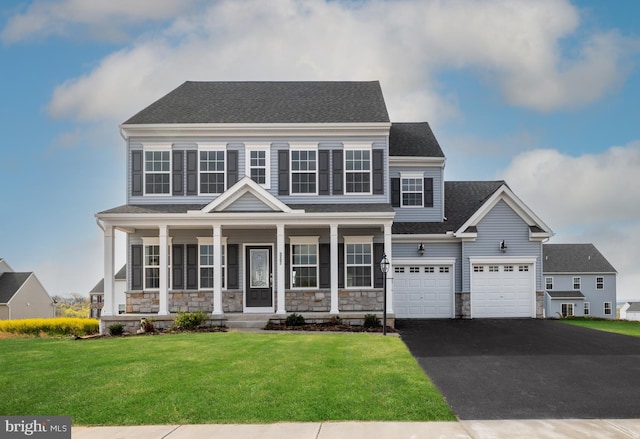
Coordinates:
(424, 237)
(417, 161)
(178, 130)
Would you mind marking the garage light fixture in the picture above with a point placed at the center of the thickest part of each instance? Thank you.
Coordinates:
(421, 249)
(503, 246)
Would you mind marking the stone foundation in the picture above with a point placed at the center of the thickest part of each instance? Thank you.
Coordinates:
(232, 300)
(143, 302)
(539, 304)
(308, 301)
(191, 301)
(463, 305)
(361, 300)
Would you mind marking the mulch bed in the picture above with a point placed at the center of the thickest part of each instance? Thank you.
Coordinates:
(326, 327)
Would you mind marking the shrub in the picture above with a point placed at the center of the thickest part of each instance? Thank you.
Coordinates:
(57, 326)
(189, 320)
(116, 329)
(371, 321)
(294, 320)
(148, 325)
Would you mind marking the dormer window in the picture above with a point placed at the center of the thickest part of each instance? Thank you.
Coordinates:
(157, 172)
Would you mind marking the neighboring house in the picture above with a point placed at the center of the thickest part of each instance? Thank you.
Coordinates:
(22, 296)
(279, 197)
(96, 295)
(579, 281)
(630, 311)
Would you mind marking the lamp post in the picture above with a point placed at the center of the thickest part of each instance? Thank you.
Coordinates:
(384, 267)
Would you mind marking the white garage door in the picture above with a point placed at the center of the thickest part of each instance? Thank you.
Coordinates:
(421, 291)
(502, 290)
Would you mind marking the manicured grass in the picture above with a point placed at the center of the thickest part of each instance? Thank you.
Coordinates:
(217, 378)
(618, 326)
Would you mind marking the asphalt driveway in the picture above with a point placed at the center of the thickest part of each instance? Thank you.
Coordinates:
(527, 369)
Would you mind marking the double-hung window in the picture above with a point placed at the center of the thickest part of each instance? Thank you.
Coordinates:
(257, 165)
(587, 309)
(304, 171)
(304, 262)
(411, 190)
(576, 283)
(157, 172)
(599, 283)
(206, 265)
(358, 258)
(212, 171)
(607, 308)
(357, 170)
(152, 263)
(548, 283)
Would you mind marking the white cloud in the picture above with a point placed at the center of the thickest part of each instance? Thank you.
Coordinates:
(590, 198)
(515, 46)
(98, 19)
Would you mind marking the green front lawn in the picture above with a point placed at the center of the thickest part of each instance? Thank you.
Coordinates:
(217, 378)
(618, 326)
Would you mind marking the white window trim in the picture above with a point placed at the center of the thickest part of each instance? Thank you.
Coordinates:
(546, 283)
(418, 176)
(155, 147)
(573, 311)
(302, 147)
(151, 241)
(208, 240)
(586, 309)
(349, 146)
(358, 240)
(206, 147)
(573, 283)
(267, 157)
(599, 285)
(604, 309)
(298, 240)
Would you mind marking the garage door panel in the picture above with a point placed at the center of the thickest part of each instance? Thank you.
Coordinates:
(499, 292)
(423, 293)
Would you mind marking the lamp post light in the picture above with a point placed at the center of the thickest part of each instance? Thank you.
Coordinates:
(384, 267)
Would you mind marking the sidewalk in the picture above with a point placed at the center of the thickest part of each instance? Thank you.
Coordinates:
(511, 429)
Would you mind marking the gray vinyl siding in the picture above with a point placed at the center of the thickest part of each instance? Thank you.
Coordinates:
(595, 297)
(433, 250)
(501, 223)
(275, 144)
(427, 214)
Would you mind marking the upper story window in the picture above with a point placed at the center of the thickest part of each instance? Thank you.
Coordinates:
(304, 262)
(357, 171)
(576, 283)
(257, 165)
(212, 171)
(157, 172)
(411, 194)
(548, 283)
(599, 283)
(304, 171)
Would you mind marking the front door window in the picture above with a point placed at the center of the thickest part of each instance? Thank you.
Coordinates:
(258, 277)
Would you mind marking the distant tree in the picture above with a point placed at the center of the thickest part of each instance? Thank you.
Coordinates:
(73, 305)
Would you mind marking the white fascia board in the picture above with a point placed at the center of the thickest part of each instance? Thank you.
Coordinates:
(253, 129)
(505, 194)
(423, 260)
(425, 238)
(581, 273)
(502, 260)
(417, 161)
(243, 186)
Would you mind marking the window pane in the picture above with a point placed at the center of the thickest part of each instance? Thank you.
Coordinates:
(211, 183)
(206, 277)
(358, 276)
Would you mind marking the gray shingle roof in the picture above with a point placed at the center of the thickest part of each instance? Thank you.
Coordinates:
(120, 275)
(413, 140)
(565, 294)
(10, 283)
(462, 200)
(634, 307)
(267, 102)
(574, 258)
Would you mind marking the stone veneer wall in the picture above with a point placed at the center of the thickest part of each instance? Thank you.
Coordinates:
(232, 300)
(539, 304)
(142, 302)
(307, 301)
(361, 300)
(191, 301)
(463, 305)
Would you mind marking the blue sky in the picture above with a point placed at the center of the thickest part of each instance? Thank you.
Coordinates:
(541, 93)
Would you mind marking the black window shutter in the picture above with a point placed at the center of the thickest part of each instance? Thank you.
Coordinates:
(378, 171)
(338, 168)
(192, 172)
(324, 251)
(192, 266)
(428, 192)
(283, 172)
(177, 174)
(232, 168)
(287, 266)
(395, 192)
(340, 265)
(378, 277)
(136, 172)
(177, 264)
(233, 272)
(323, 173)
(136, 267)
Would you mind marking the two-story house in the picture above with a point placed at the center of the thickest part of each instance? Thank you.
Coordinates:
(579, 281)
(279, 197)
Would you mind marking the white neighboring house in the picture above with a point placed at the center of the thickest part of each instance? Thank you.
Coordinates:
(22, 296)
(630, 311)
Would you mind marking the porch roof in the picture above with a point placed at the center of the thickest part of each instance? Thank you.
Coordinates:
(565, 294)
(309, 208)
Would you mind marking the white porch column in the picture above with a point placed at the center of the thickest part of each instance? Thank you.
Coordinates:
(109, 262)
(217, 270)
(333, 248)
(388, 250)
(163, 294)
(280, 264)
